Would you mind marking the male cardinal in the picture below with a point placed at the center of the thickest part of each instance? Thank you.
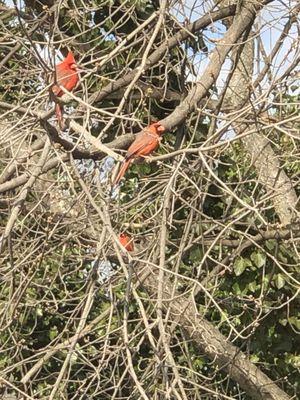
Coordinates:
(67, 77)
(126, 241)
(145, 143)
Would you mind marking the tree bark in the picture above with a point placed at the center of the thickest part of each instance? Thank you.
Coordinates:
(210, 341)
(270, 173)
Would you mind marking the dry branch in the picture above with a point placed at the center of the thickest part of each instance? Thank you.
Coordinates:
(196, 210)
(159, 53)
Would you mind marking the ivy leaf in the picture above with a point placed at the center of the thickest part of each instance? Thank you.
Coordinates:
(294, 361)
(283, 321)
(195, 254)
(145, 168)
(282, 258)
(295, 321)
(240, 264)
(236, 288)
(279, 281)
(53, 332)
(271, 244)
(39, 311)
(254, 358)
(259, 259)
(252, 286)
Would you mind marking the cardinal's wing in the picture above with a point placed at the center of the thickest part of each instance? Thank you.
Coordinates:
(66, 77)
(143, 145)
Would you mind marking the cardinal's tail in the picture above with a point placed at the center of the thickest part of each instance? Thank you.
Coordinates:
(122, 171)
(58, 112)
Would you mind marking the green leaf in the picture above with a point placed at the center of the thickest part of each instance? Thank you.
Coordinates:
(196, 254)
(198, 363)
(254, 358)
(279, 281)
(53, 332)
(259, 259)
(236, 288)
(145, 168)
(294, 361)
(295, 321)
(271, 244)
(282, 257)
(239, 266)
(271, 331)
(293, 88)
(283, 321)
(39, 311)
(252, 286)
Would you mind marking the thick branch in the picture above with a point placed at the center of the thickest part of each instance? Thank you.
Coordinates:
(214, 344)
(278, 234)
(158, 54)
(23, 195)
(120, 143)
(270, 173)
(241, 23)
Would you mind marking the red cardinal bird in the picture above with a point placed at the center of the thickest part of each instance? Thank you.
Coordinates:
(67, 77)
(145, 143)
(126, 241)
